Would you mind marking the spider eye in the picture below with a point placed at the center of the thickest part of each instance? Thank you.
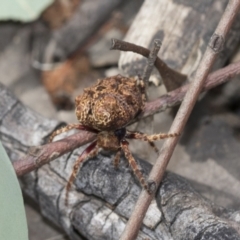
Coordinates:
(120, 133)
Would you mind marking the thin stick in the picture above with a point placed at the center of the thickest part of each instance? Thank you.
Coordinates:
(175, 97)
(40, 155)
(150, 64)
(151, 60)
(171, 78)
(49, 152)
(181, 118)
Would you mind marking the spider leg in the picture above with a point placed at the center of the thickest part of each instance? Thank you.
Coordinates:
(141, 136)
(117, 158)
(134, 166)
(64, 129)
(155, 137)
(150, 138)
(89, 152)
(68, 128)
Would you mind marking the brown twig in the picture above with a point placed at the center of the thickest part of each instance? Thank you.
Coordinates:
(150, 64)
(171, 78)
(49, 152)
(151, 60)
(40, 155)
(175, 97)
(156, 174)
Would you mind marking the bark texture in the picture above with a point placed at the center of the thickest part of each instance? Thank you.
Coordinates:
(185, 27)
(103, 197)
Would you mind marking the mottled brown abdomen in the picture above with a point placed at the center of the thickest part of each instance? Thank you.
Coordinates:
(111, 103)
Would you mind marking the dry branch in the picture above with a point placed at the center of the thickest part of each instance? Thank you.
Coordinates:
(104, 197)
(43, 154)
(215, 46)
(107, 196)
(185, 26)
(171, 78)
(151, 60)
(40, 155)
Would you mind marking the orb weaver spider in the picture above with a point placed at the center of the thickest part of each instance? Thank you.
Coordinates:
(106, 108)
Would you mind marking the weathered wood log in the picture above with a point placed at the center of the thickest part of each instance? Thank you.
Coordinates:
(103, 197)
(185, 27)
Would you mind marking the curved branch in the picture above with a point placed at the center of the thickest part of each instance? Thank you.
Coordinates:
(46, 153)
(171, 78)
(175, 97)
(107, 196)
(40, 155)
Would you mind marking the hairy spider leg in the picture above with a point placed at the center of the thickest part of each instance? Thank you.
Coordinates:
(133, 164)
(139, 135)
(89, 152)
(117, 158)
(150, 138)
(70, 127)
(155, 137)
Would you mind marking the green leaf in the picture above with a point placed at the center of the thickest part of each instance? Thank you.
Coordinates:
(22, 10)
(13, 224)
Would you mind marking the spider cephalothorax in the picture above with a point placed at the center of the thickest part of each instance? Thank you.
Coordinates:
(107, 108)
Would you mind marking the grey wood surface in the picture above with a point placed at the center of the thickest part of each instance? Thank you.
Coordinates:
(103, 197)
(185, 27)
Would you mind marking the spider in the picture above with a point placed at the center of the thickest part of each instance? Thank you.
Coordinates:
(106, 108)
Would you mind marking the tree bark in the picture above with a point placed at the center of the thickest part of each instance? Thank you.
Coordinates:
(103, 197)
(185, 28)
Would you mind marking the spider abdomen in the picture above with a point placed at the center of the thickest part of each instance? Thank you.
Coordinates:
(110, 104)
